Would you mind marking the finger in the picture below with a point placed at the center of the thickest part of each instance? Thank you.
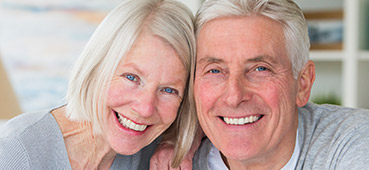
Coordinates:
(184, 168)
(162, 162)
(170, 167)
(154, 163)
(186, 164)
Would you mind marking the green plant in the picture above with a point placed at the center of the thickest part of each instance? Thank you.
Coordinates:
(327, 99)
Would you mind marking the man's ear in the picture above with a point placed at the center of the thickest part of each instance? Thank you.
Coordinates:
(305, 83)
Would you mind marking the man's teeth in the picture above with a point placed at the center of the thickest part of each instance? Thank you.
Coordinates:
(241, 121)
(131, 125)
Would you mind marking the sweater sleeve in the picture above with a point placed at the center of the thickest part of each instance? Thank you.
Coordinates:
(355, 153)
(13, 155)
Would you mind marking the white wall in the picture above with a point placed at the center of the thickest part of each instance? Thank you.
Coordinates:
(316, 5)
(192, 4)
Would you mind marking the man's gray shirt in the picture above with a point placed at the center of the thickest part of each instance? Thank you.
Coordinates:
(330, 137)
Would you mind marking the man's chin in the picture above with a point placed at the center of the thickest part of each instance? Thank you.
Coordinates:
(234, 151)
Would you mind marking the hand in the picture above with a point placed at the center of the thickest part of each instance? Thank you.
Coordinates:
(164, 154)
(162, 159)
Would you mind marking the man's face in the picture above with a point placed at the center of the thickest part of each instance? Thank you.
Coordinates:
(244, 88)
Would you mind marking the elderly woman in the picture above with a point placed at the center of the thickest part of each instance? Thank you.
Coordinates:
(126, 90)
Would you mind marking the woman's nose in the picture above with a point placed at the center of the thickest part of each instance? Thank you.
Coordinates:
(145, 104)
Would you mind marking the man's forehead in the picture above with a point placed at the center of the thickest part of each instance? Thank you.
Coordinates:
(245, 39)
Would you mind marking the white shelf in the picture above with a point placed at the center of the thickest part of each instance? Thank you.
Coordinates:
(334, 55)
(326, 55)
(347, 69)
(364, 55)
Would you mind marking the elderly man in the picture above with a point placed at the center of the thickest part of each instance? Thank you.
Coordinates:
(252, 84)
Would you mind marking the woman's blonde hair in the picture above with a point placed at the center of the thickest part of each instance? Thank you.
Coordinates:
(114, 37)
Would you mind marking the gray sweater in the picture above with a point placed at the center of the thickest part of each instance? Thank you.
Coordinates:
(330, 137)
(34, 141)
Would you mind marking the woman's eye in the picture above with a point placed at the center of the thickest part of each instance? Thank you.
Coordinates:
(215, 71)
(131, 77)
(170, 90)
(261, 68)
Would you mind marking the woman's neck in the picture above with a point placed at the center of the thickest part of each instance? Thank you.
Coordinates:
(85, 150)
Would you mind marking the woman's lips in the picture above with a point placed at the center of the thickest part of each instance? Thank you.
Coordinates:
(130, 124)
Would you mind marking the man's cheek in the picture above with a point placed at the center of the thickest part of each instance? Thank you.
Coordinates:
(206, 96)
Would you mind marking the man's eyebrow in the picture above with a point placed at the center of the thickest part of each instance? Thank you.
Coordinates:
(210, 60)
(258, 58)
(262, 58)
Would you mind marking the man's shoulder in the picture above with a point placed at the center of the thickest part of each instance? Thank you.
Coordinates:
(317, 121)
(332, 135)
(326, 114)
(200, 159)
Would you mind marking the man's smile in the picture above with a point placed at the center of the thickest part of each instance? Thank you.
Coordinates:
(241, 121)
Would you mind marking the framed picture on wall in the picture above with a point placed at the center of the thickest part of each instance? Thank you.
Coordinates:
(325, 29)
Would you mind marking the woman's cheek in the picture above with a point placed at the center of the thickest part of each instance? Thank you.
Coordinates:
(116, 93)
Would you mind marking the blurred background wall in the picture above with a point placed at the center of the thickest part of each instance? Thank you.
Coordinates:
(8, 101)
(40, 40)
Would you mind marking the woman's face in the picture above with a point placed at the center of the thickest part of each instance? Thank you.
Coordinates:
(144, 96)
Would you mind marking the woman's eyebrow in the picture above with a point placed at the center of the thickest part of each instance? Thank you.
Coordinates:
(135, 67)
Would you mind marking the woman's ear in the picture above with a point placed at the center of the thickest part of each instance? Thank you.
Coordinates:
(305, 83)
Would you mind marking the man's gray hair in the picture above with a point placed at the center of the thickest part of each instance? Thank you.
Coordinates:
(286, 12)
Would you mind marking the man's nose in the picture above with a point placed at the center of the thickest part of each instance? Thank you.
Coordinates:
(236, 92)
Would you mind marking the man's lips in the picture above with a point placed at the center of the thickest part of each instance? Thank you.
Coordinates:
(242, 121)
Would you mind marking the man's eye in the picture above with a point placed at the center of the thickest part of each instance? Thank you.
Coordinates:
(215, 71)
(261, 68)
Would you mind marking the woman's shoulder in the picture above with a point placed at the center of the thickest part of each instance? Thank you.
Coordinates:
(23, 123)
(35, 139)
(13, 153)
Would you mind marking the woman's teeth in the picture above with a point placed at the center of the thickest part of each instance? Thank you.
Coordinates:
(241, 121)
(130, 125)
